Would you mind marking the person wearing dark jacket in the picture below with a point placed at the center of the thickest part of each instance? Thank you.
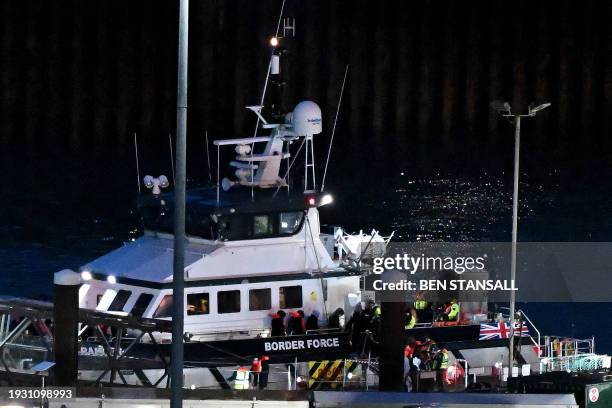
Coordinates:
(312, 323)
(334, 319)
(265, 370)
(278, 324)
(296, 324)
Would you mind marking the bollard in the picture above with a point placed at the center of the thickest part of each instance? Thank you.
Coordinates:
(66, 319)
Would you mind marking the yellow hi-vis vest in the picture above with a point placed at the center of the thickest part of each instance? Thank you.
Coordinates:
(242, 380)
(420, 304)
(410, 322)
(441, 361)
(454, 312)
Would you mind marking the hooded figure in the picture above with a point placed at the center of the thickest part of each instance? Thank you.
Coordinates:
(334, 319)
(278, 324)
(312, 323)
(296, 324)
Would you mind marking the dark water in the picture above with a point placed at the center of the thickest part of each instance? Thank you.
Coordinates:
(62, 208)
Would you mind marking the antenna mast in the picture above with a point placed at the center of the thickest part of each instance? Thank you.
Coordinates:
(263, 94)
(137, 167)
(331, 142)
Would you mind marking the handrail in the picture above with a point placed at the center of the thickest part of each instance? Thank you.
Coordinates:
(539, 342)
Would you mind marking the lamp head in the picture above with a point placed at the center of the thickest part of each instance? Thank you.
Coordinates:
(534, 108)
(503, 108)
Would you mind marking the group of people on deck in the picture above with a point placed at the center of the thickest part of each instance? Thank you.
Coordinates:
(425, 355)
(423, 311)
(295, 324)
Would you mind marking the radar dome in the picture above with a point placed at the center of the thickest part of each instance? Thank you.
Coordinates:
(306, 119)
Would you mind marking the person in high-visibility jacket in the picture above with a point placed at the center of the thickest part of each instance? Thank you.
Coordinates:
(451, 311)
(410, 319)
(240, 378)
(440, 365)
(419, 302)
(423, 308)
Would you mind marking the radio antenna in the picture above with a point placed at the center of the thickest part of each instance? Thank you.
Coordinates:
(137, 167)
(263, 95)
(171, 158)
(331, 142)
(208, 156)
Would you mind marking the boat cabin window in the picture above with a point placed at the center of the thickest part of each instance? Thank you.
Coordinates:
(290, 222)
(165, 308)
(235, 227)
(262, 226)
(290, 297)
(197, 304)
(119, 301)
(159, 218)
(260, 299)
(228, 301)
(141, 304)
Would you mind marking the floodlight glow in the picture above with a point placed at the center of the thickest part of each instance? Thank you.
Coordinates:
(86, 275)
(111, 279)
(274, 41)
(327, 199)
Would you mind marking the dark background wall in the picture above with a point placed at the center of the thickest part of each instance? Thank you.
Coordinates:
(90, 73)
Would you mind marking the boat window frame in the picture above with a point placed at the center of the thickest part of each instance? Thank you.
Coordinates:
(247, 229)
(282, 299)
(269, 299)
(155, 313)
(196, 313)
(146, 306)
(219, 301)
(118, 303)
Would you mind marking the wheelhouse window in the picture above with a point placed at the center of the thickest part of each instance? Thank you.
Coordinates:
(260, 299)
(252, 226)
(290, 222)
(158, 217)
(228, 301)
(197, 304)
(119, 301)
(141, 304)
(262, 226)
(165, 308)
(290, 297)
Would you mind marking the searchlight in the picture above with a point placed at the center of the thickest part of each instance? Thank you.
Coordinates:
(327, 199)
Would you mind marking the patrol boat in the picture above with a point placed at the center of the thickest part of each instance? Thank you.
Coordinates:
(254, 243)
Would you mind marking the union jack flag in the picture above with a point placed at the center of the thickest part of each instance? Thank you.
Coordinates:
(501, 331)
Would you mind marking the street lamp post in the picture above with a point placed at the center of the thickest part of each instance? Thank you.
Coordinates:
(178, 273)
(504, 109)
